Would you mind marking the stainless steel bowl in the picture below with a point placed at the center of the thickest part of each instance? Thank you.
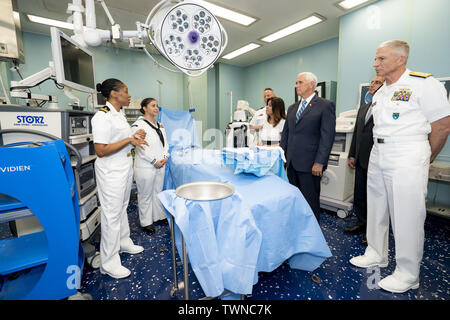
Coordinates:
(205, 190)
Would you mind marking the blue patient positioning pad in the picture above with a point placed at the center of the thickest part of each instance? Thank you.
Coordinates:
(229, 241)
(256, 160)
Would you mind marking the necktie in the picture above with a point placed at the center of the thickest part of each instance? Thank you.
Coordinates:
(368, 114)
(300, 111)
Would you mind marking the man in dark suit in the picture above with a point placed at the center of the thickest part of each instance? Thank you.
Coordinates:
(358, 159)
(307, 139)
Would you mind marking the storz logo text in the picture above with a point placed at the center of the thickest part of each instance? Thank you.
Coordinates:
(30, 121)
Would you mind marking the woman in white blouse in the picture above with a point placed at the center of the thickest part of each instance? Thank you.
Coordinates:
(271, 130)
(149, 166)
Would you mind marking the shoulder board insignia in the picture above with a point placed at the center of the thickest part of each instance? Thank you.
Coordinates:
(420, 74)
(161, 125)
(105, 109)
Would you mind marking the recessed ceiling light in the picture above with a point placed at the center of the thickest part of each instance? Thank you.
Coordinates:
(242, 50)
(349, 4)
(50, 22)
(305, 23)
(227, 13)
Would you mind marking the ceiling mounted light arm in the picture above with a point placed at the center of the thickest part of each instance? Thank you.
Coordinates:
(108, 14)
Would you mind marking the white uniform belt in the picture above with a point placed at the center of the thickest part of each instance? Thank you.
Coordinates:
(400, 139)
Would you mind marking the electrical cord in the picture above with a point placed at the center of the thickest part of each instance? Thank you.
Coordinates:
(50, 136)
(61, 87)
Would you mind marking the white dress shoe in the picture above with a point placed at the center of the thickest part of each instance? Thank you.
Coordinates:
(392, 284)
(367, 262)
(134, 249)
(118, 273)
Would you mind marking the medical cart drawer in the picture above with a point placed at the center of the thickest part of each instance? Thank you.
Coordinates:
(23, 253)
(81, 138)
(88, 227)
(88, 205)
(86, 179)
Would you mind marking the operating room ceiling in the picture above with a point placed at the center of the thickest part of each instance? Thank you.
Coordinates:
(272, 15)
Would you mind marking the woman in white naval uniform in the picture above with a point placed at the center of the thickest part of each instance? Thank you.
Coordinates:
(113, 141)
(150, 165)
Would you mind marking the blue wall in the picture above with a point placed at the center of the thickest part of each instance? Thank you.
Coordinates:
(229, 79)
(281, 72)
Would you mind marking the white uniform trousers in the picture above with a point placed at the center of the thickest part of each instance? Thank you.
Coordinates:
(114, 192)
(149, 182)
(397, 183)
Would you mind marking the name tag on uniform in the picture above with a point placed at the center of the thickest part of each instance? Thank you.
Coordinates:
(402, 95)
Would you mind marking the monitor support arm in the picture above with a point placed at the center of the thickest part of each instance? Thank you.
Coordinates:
(35, 79)
(19, 89)
(70, 95)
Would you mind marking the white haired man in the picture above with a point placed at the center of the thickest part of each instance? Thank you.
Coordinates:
(412, 121)
(307, 139)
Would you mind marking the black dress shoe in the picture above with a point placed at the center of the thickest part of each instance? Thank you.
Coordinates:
(356, 229)
(149, 229)
(364, 240)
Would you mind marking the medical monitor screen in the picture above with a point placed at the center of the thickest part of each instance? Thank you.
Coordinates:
(74, 65)
(78, 65)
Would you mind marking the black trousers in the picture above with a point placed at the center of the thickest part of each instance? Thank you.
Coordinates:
(309, 186)
(360, 194)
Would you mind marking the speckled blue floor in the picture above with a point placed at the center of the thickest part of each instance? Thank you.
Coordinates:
(335, 279)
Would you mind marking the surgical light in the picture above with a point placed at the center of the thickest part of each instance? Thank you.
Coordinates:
(186, 34)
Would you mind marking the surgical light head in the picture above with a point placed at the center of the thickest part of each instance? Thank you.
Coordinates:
(187, 34)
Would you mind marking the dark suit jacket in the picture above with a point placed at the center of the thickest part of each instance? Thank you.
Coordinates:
(309, 140)
(362, 140)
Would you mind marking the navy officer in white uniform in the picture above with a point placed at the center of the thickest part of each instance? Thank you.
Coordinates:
(411, 124)
(113, 141)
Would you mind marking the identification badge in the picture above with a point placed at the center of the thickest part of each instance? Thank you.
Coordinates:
(402, 95)
(395, 115)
